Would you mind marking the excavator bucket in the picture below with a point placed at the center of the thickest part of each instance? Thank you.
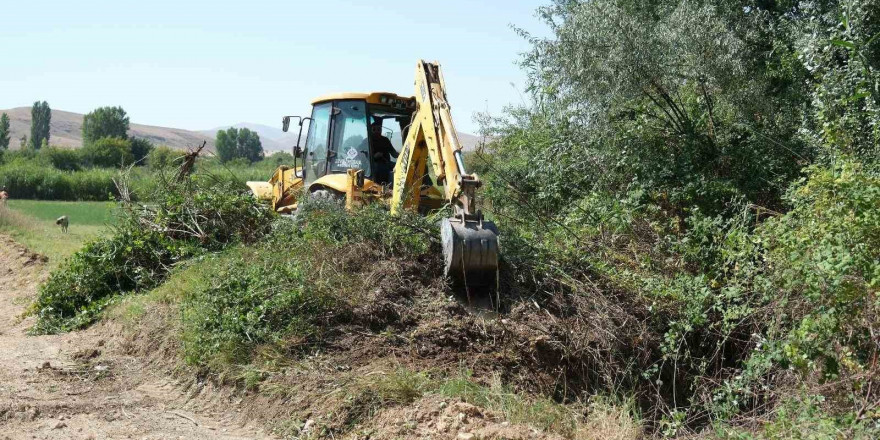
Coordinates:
(470, 253)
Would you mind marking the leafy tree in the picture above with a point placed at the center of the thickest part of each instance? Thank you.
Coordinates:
(140, 149)
(679, 97)
(234, 143)
(41, 116)
(4, 131)
(842, 53)
(108, 152)
(105, 122)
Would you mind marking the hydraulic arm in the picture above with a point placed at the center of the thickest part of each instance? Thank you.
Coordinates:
(470, 243)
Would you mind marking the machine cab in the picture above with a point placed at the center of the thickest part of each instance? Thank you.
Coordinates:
(355, 131)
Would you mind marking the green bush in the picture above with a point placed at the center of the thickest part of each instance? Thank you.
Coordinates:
(109, 153)
(64, 159)
(34, 180)
(163, 157)
(140, 149)
(195, 216)
(282, 293)
(254, 298)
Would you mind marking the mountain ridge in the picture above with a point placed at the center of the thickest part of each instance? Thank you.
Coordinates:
(65, 130)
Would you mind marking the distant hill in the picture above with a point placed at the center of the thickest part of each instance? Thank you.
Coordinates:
(274, 139)
(65, 130)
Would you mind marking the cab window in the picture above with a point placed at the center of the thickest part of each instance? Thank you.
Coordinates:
(316, 143)
(351, 145)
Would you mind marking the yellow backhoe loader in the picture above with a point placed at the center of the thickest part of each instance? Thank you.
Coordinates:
(374, 147)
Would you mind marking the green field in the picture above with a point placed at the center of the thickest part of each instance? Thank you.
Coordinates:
(32, 222)
(79, 213)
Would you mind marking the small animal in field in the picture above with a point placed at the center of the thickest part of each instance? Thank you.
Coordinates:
(4, 196)
(64, 222)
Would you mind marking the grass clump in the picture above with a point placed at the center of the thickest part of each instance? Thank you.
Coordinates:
(192, 217)
(283, 293)
(254, 298)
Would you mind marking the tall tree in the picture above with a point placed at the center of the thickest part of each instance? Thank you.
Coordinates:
(105, 122)
(41, 115)
(4, 131)
(234, 144)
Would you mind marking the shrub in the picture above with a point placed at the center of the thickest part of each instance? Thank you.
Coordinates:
(296, 283)
(163, 157)
(34, 180)
(820, 264)
(109, 152)
(253, 298)
(64, 159)
(140, 149)
(196, 216)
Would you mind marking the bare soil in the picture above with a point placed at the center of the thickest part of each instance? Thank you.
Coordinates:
(120, 380)
(81, 386)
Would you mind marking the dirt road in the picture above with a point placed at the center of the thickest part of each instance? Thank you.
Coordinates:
(74, 386)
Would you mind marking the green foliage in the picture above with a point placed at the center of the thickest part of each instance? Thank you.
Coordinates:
(163, 157)
(841, 50)
(104, 122)
(36, 180)
(109, 152)
(64, 159)
(140, 149)
(254, 298)
(41, 115)
(195, 216)
(820, 264)
(329, 223)
(275, 294)
(700, 178)
(280, 158)
(4, 132)
(236, 143)
(668, 95)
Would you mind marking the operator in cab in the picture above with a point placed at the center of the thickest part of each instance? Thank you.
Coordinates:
(383, 151)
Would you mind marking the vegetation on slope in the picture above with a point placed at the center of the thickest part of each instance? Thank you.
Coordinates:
(689, 218)
(708, 171)
(200, 214)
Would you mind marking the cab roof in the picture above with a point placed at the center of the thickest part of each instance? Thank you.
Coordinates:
(372, 97)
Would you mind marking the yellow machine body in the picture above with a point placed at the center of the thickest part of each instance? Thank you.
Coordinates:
(281, 189)
(343, 166)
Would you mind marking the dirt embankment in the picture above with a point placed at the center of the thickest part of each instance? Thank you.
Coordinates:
(79, 386)
(121, 380)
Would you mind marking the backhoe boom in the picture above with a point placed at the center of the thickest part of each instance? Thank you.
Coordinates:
(470, 244)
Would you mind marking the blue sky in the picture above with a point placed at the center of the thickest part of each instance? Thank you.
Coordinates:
(202, 64)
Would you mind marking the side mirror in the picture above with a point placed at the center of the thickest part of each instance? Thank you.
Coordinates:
(297, 151)
(285, 123)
